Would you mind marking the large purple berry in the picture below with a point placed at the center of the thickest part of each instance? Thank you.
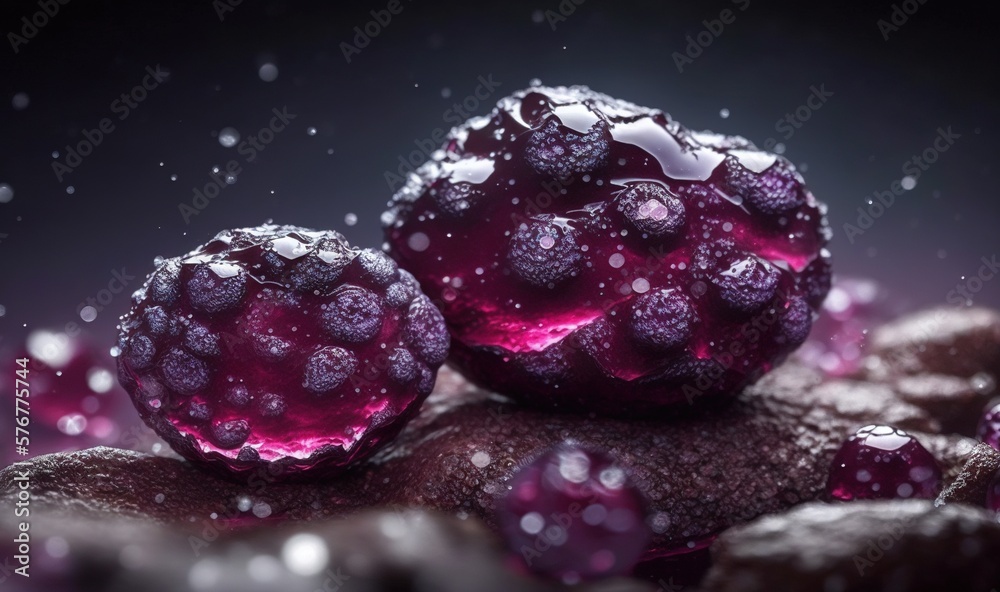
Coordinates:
(591, 254)
(574, 515)
(989, 425)
(882, 462)
(282, 348)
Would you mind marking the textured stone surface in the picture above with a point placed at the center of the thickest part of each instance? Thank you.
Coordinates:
(767, 451)
(861, 546)
(970, 485)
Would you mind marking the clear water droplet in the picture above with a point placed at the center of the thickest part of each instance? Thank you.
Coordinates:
(268, 72)
(351, 219)
(228, 137)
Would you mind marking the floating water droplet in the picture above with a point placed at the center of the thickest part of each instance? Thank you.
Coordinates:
(88, 313)
(20, 101)
(100, 380)
(6, 193)
(616, 260)
(230, 179)
(351, 219)
(908, 182)
(228, 137)
(724, 113)
(537, 17)
(311, 131)
(173, 177)
(3, 310)
(72, 425)
(268, 72)
(159, 498)
(71, 190)
(445, 92)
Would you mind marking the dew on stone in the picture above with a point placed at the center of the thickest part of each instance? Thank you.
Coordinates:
(159, 498)
(244, 504)
(261, 509)
(481, 459)
(228, 137)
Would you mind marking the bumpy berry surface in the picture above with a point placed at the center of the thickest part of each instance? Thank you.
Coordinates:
(282, 348)
(882, 462)
(573, 514)
(591, 254)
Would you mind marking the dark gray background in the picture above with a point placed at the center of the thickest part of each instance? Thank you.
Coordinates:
(889, 98)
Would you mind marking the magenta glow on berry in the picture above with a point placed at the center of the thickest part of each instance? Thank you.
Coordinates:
(279, 347)
(989, 425)
(882, 462)
(591, 254)
(574, 515)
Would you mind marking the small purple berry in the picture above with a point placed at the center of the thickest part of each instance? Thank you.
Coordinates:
(574, 515)
(279, 345)
(882, 462)
(989, 426)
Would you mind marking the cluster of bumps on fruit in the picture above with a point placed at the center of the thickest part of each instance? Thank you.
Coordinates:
(570, 251)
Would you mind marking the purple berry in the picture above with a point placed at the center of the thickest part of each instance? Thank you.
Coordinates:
(594, 255)
(993, 494)
(882, 462)
(574, 515)
(989, 426)
(279, 345)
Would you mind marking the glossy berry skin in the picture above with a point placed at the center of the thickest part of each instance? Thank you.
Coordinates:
(882, 462)
(279, 348)
(988, 430)
(574, 515)
(593, 255)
